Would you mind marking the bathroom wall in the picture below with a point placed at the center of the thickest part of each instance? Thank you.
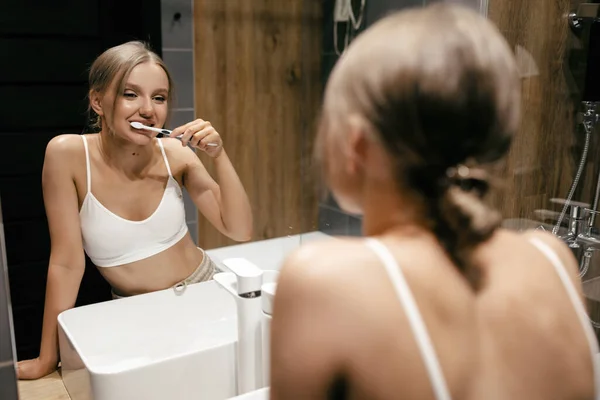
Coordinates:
(547, 146)
(177, 25)
(258, 80)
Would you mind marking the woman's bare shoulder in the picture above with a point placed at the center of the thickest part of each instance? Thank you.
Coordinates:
(535, 247)
(65, 144)
(325, 257)
(551, 241)
(63, 152)
(180, 157)
(174, 148)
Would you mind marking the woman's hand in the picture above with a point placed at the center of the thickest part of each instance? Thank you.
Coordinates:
(35, 368)
(201, 135)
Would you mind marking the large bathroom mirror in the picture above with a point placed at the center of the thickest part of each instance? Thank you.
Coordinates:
(251, 68)
(256, 70)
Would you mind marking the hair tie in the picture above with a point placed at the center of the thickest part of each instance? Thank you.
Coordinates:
(467, 178)
(458, 172)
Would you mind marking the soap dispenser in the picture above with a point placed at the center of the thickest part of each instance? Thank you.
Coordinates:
(268, 296)
(244, 283)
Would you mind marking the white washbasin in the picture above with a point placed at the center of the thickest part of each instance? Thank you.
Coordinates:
(162, 345)
(154, 346)
(260, 394)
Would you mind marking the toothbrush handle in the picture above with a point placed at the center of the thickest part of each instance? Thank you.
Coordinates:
(167, 133)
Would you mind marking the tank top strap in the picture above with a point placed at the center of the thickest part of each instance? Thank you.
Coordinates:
(88, 172)
(164, 154)
(415, 320)
(162, 150)
(571, 290)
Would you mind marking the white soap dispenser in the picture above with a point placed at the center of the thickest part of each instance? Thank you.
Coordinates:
(244, 283)
(268, 296)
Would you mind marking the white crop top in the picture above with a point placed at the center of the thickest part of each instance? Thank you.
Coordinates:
(110, 240)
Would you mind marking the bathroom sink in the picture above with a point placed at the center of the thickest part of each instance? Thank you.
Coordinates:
(155, 346)
(260, 394)
(162, 345)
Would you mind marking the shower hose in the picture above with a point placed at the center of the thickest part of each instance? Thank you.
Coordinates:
(589, 127)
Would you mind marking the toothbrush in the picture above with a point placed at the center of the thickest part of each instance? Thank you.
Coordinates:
(139, 125)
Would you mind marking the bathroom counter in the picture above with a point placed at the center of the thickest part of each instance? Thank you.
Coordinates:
(47, 388)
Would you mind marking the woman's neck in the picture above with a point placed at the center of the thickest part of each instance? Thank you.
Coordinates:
(386, 210)
(127, 157)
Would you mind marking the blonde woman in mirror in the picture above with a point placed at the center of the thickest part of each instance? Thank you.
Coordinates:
(117, 195)
(437, 301)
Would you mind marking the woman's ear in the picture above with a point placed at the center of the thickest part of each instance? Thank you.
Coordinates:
(357, 144)
(96, 102)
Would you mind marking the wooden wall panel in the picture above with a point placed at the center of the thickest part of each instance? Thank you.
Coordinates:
(540, 165)
(257, 66)
(548, 147)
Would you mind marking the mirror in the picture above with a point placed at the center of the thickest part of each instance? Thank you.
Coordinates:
(254, 69)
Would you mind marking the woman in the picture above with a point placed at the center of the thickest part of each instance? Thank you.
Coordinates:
(437, 302)
(117, 194)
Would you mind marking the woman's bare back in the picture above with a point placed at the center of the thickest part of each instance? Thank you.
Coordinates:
(516, 337)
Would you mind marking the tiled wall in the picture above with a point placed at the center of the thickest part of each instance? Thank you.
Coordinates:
(8, 379)
(178, 54)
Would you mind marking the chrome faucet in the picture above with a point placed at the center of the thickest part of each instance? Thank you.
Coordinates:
(576, 223)
(580, 236)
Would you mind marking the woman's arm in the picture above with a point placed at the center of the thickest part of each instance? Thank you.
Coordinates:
(67, 260)
(225, 204)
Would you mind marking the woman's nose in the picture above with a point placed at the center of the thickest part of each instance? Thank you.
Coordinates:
(146, 109)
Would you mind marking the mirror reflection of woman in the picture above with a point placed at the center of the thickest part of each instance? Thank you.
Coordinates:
(437, 301)
(117, 195)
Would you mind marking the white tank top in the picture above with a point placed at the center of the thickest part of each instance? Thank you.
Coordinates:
(419, 330)
(110, 240)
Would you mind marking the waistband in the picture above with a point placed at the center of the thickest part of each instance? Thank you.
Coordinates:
(204, 272)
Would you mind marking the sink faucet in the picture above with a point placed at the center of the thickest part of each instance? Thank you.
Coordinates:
(576, 223)
(246, 283)
(580, 236)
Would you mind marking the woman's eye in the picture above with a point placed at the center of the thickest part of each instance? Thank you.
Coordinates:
(129, 94)
(160, 98)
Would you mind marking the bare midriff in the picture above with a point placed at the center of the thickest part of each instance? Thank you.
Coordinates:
(158, 272)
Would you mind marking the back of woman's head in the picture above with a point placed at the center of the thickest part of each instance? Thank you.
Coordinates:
(112, 68)
(439, 88)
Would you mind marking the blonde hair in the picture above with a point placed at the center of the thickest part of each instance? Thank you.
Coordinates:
(117, 63)
(439, 87)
